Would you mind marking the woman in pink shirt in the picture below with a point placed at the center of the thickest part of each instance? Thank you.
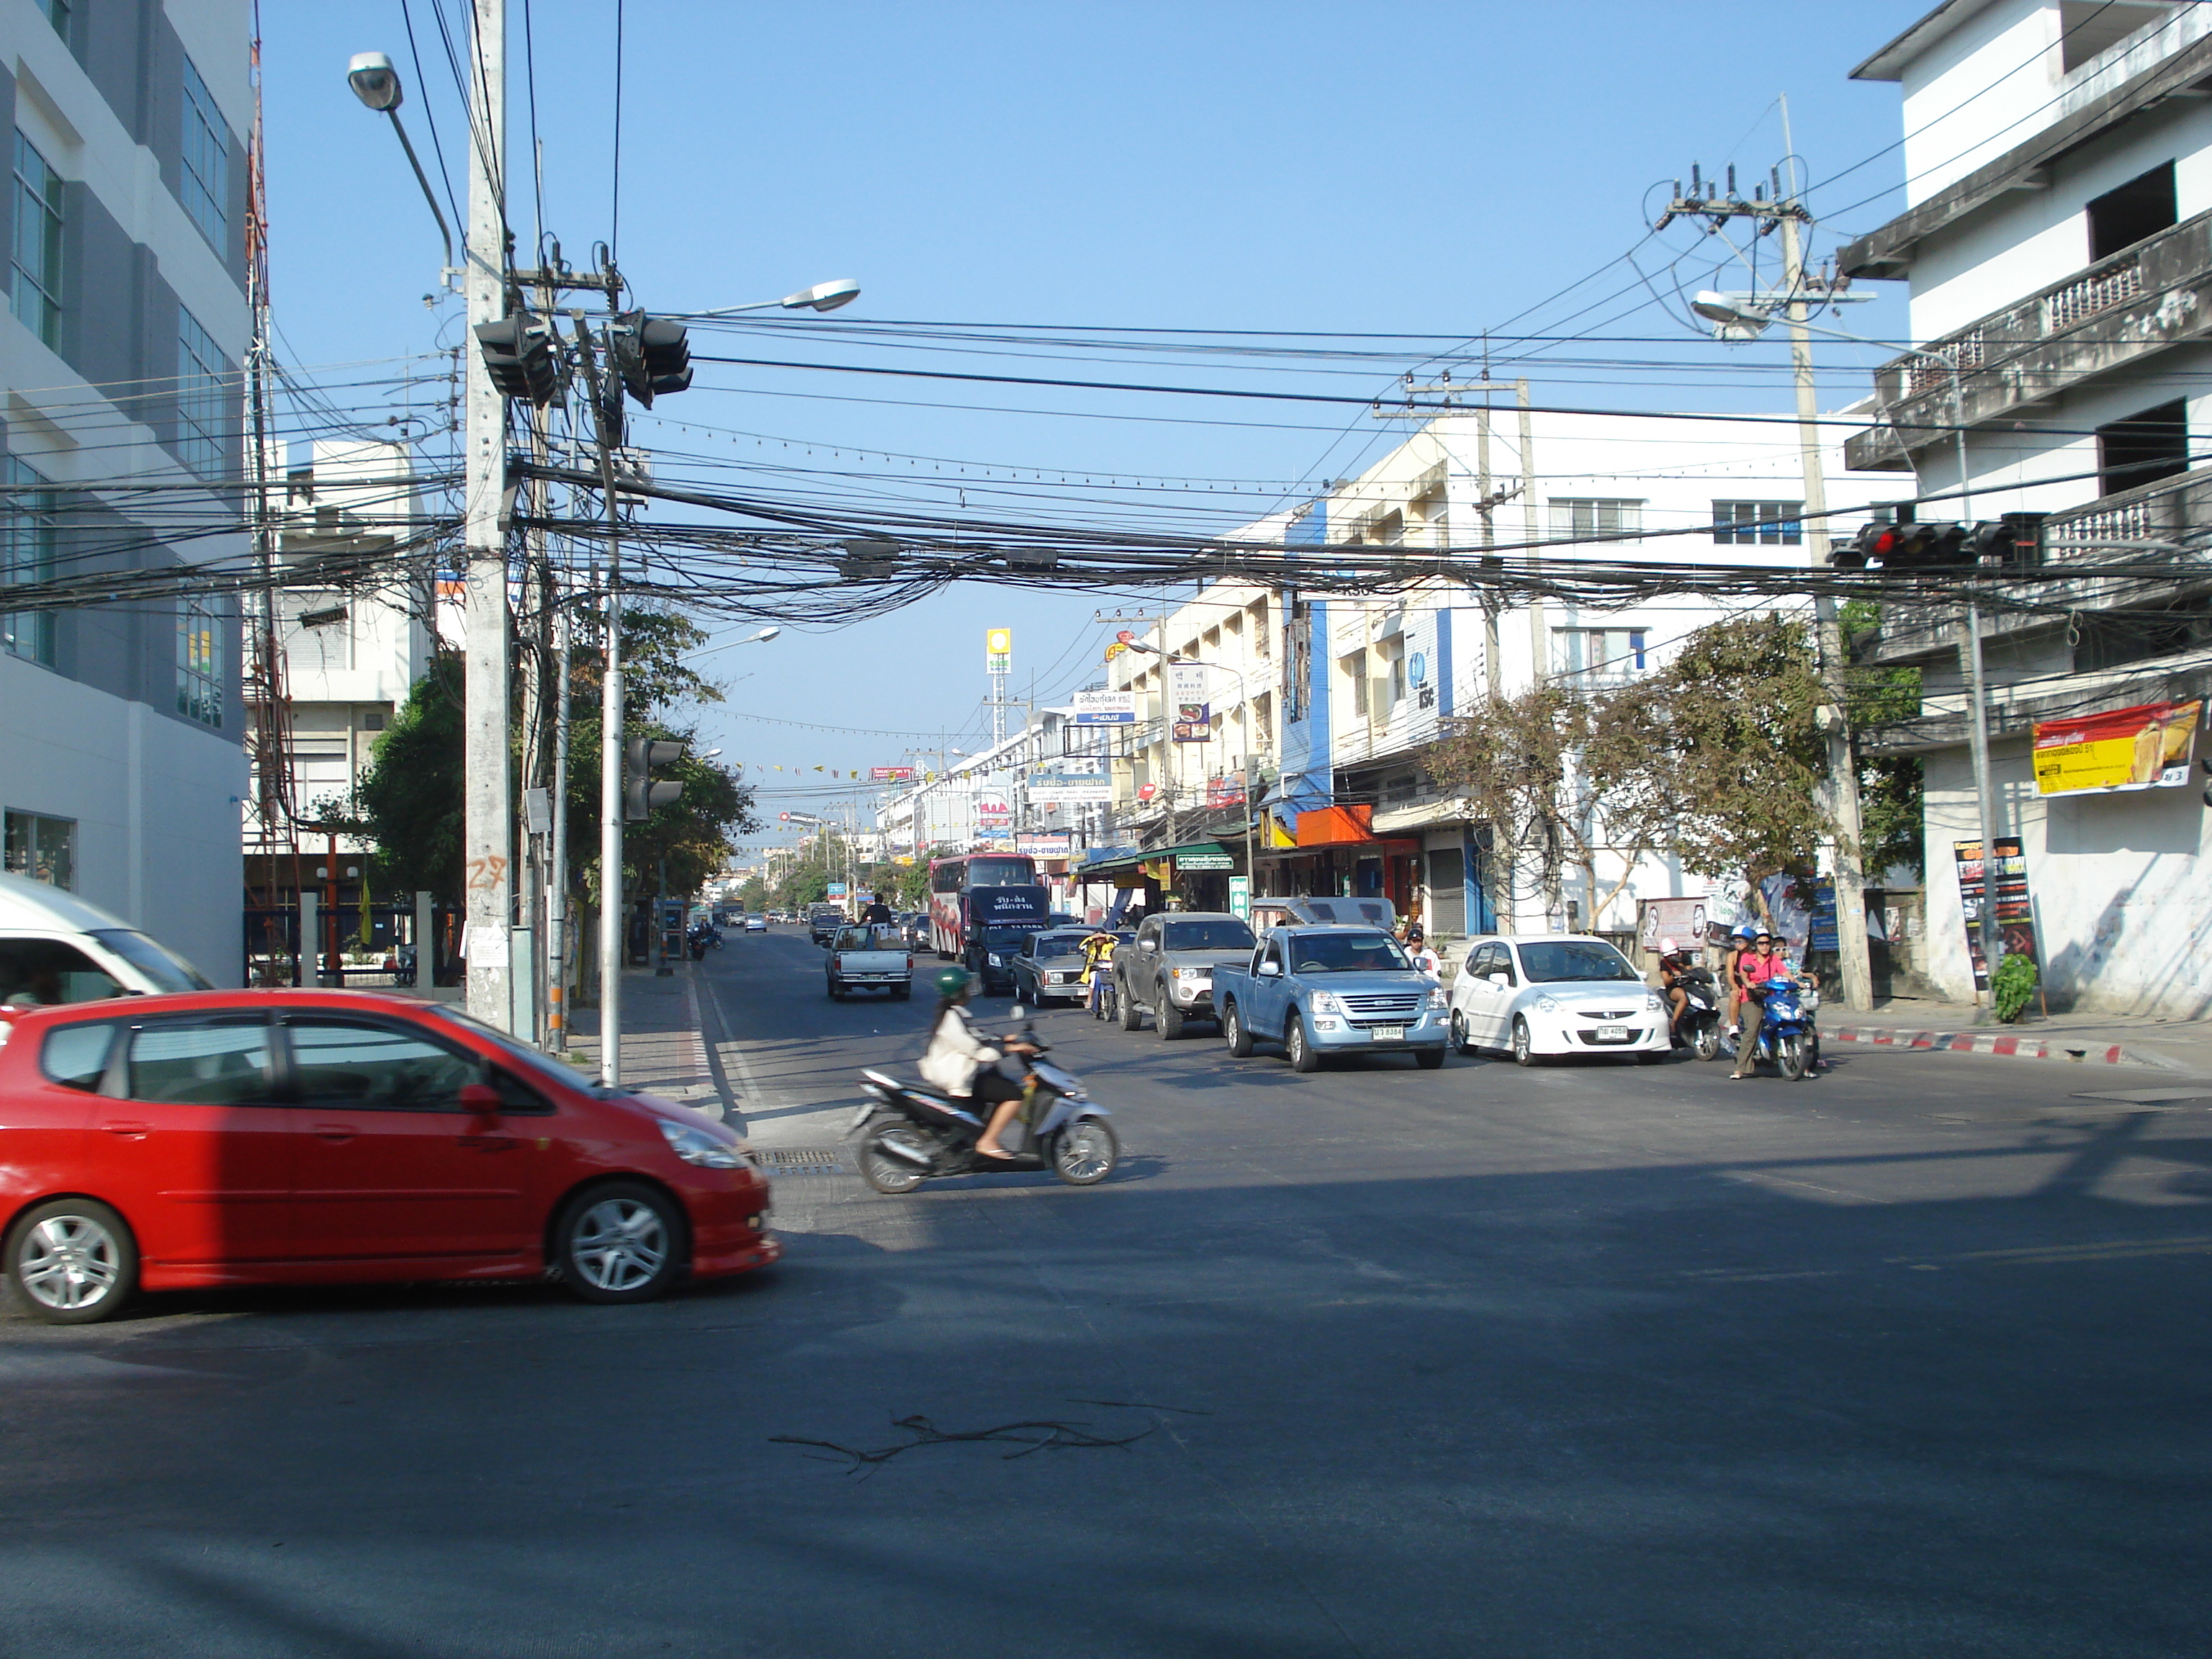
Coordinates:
(1761, 963)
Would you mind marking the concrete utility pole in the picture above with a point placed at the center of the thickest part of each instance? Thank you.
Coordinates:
(1853, 960)
(614, 943)
(488, 807)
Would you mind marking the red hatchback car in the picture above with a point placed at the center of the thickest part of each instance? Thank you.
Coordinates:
(329, 1137)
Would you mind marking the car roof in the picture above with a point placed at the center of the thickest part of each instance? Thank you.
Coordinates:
(1536, 939)
(192, 1002)
(1335, 928)
(1195, 915)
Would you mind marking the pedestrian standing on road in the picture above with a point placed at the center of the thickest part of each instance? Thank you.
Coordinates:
(1760, 962)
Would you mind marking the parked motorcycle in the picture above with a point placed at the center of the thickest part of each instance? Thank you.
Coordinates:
(1786, 1032)
(909, 1132)
(1699, 1029)
(702, 938)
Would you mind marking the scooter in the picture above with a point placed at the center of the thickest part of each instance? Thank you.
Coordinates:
(1786, 1033)
(1699, 1028)
(909, 1132)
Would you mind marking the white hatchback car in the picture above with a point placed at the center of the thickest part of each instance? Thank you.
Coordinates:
(1555, 994)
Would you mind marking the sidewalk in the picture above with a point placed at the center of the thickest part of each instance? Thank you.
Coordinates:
(2182, 1046)
(662, 1050)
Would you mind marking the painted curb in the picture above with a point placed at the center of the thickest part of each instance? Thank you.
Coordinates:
(2012, 1047)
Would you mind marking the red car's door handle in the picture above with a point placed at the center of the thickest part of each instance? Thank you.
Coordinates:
(486, 1143)
(129, 1131)
(335, 1133)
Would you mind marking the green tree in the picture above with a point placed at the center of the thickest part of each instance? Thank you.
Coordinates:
(408, 800)
(1892, 794)
(1740, 716)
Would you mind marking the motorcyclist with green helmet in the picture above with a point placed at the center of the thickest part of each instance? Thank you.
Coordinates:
(964, 1065)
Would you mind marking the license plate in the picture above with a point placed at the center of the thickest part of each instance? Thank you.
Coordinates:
(1613, 1034)
(1388, 1033)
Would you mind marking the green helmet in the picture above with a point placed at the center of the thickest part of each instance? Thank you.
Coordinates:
(953, 982)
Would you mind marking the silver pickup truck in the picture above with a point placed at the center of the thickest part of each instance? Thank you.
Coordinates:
(1168, 972)
(874, 956)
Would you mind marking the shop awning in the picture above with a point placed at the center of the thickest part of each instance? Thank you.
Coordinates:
(1333, 828)
(1194, 855)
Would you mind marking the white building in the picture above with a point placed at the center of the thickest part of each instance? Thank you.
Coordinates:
(2057, 237)
(121, 765)
(1380, 676)
(350, 657)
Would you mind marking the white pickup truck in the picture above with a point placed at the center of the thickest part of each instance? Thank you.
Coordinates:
(875, 955)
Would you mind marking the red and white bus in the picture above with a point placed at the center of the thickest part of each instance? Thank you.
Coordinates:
(951, 878)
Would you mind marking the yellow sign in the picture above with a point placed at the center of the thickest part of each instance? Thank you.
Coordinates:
(998, 641)
(1115, 650)
(2138, 748)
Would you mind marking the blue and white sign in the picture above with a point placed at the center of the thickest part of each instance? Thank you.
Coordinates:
(1417, 668)
(1105, 707)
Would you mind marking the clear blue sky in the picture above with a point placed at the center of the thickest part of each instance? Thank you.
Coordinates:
(1413, 169)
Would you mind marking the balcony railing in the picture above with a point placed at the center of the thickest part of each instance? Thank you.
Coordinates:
(2119, 311)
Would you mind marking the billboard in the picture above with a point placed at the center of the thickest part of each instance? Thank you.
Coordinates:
(1186, 698)
(1105, 707)
(2015, 915)
(993, 812)
(1073, 788)
(2144, 747)
(998, 649)
(890, 774)
(1052, 844)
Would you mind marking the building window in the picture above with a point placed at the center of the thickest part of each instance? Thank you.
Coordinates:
(199, 663)
(57, 14)
(1758, 524)
(27, 554)
(2143, 448)
(202, 398)
(1597, 656)
(35, 289)
(1578, 518)
(41, 847)
(207, 160)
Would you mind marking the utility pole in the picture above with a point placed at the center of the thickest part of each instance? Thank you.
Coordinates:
(614, 943)
(488, 808)
(1784, 211)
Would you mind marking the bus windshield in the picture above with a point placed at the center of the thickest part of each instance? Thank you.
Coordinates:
(1001, 871)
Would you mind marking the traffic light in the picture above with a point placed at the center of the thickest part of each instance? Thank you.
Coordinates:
(652, 354)
(640, 794)
(1875, 542)
(518, 351)
(2014, 538)
(1929, 544)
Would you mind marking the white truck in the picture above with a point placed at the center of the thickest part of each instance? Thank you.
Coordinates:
(871, 955)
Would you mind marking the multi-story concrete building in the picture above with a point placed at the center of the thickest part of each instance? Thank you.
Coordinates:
(121, 765)
(1372, 682)
(350, 657)
(2058, 237)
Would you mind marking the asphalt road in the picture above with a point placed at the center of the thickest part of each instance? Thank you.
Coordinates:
(1911, 1358)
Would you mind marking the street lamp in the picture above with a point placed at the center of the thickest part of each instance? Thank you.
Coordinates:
(1745, 317)
(376, 83)
(822, 296)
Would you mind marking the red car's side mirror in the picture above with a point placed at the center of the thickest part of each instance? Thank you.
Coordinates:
(480, 1098)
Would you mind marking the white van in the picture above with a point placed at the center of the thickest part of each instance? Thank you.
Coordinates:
(54, 947)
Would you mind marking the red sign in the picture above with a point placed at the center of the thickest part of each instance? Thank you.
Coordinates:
(1224, 792)
(1146, 790)
(1125, 636)
(890, 774)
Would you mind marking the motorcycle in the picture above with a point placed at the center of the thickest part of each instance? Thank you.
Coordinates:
(1786, 1032)
(701, 939)
(1699, 1029)
(909, 1132)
